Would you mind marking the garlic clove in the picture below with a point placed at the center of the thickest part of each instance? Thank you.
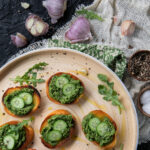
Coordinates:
(19, 40)
(79, 31)
(55, 8)
(36, 26)
(116, 20)
(145, 97)
(25, 5)
(127, 28)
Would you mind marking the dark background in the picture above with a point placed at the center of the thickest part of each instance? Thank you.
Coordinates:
(12, 20)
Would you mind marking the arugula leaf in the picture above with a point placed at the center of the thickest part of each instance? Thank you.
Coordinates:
(108, 92)
(22, 124)
(89, 14)
(30, 77)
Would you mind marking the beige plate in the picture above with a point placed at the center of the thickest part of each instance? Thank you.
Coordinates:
(70, 61)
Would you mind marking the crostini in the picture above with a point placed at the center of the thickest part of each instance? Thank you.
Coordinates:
(21, 100)
(64, 88)
(57, 128)
(15, 135)
(100, 128)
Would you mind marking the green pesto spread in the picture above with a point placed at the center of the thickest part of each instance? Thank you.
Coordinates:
(65, 93)
(16, 132)
(104, 133)
(22, 111)
(62, 130)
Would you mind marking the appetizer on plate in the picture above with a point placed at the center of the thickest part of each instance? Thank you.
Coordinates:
(64, 88)
(15, 135)
(21, 100)
(99, 128)
(57, 128)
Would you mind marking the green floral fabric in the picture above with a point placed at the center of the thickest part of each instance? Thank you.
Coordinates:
(112, 57)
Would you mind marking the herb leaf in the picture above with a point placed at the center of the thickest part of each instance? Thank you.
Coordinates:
(30, 77)
(108, 92)
(89, 14)
(23, 123)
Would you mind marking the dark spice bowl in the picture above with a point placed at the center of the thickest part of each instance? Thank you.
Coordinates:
(139, 65)
(139, 100)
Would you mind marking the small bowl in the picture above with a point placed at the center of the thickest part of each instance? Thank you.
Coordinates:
(139, 100)
(130, 63)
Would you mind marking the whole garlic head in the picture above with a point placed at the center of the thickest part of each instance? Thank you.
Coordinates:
(79, 31)
(55, 8)
(127, 27)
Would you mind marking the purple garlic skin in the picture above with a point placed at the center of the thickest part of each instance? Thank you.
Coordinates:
(55, 8)
(19, 40)
(79, 31)
(36, 26)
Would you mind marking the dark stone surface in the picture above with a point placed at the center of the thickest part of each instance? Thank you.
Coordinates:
(12, 20)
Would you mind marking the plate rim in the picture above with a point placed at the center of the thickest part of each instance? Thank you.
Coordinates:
(83, 54)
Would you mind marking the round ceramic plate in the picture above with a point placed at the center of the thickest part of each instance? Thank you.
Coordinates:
(66, 60)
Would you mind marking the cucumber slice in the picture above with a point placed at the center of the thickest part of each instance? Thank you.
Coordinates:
(60, 125)
(102, 129)
(61, 81)
(93, 123)
(68, 89)
(26, 97)
(17, 102)
(54, 136)
(9, 142)
(15, 135)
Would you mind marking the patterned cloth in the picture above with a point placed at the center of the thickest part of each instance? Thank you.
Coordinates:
(112, 57)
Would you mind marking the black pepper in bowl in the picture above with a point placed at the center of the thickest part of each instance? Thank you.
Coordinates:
(139, 65)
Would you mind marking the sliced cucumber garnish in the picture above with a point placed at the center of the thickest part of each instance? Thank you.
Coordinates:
(54, 136)
(17, 102)
(61, 81)
(68, 89)
(60, 125)
(102, 129)
(93, 123)
(26, 97)
(15, 135)
(9, 141)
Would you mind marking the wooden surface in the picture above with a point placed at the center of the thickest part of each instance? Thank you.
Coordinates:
(71, 61)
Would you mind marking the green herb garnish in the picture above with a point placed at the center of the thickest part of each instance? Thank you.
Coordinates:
(109, 93)
(23, 123)
(89, 14)
(121, 147)
(30, 77)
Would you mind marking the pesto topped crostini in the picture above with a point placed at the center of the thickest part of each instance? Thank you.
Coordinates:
(64, 88)
(15, 135)
(57, 128)
(100, 128)
(21, 101)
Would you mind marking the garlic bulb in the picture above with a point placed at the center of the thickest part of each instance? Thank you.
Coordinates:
(127, 28)
(36, 26)
(55, 8)
(79, 31)
(145, 97)
(19, 40)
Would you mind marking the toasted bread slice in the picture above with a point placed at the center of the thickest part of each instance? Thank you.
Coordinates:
(29, 134)
(58, 74)
(45, 122)
(100, 114)
(36, 99)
